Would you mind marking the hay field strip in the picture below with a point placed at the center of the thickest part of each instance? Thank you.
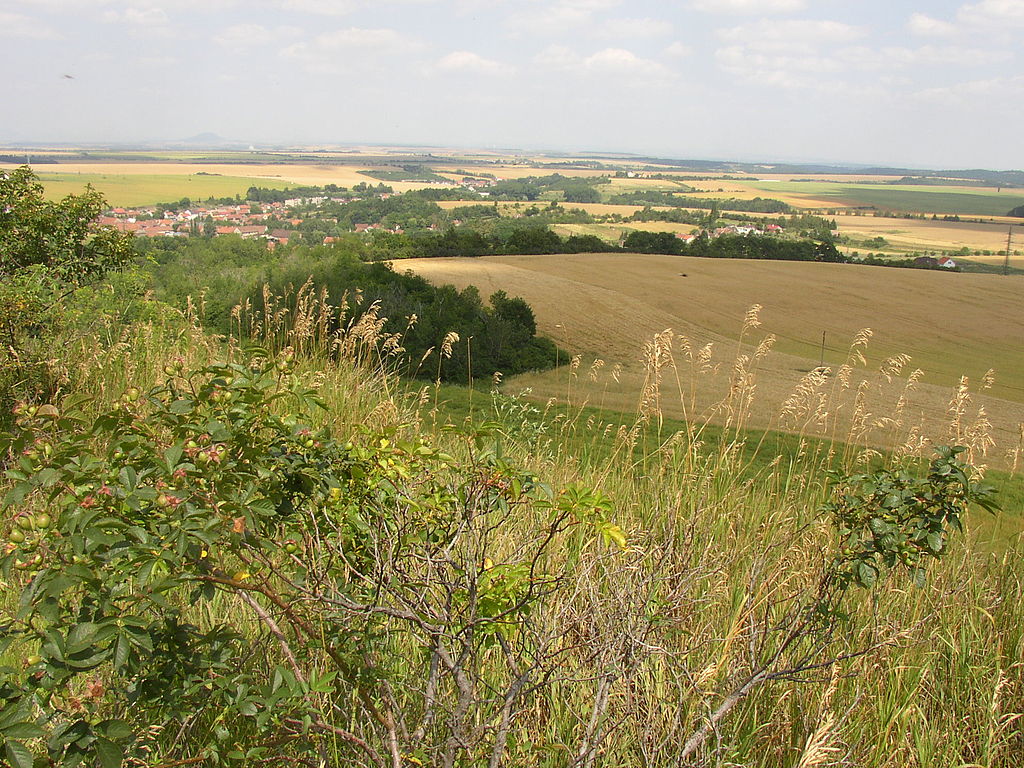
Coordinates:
(933, 235)
(724, 189)
(608, 305)
(613, 232)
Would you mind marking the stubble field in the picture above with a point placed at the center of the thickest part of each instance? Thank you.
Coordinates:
(608, 306)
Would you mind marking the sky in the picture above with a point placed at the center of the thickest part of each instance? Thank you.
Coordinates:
(916, 83)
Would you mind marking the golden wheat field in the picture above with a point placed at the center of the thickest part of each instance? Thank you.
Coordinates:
(607, 307)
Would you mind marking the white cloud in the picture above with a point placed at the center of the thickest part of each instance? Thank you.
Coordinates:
(958, 94)
(678, 50)
(819, 54)
(588, 5)
(160, 62)
(18, 25)
(467, 61)
(786, 54)
(791, 35)
(61, 4)
(322, 7)
(646, 27)
(748, 6)
(150, 16)
(344, 49)
(926, 26)
(998, 13)
(997, 18)
(608, 61)
(554, 18)
(621, 61)
(353, 38)
(864, 57)
(776, 70)
(241, 36)
(557, 57)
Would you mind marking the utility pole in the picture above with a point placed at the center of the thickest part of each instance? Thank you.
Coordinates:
(822, 364)
(1009, 241)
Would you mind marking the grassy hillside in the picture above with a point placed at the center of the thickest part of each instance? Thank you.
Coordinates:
(723, 535)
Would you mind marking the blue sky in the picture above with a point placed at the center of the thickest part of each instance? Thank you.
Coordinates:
(934, 84)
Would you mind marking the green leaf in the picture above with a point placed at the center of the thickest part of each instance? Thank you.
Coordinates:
(173, 455)
(109, 753)
(115, 729)
(17, 494)
(121, 650)
(23, 731)
(18, 754)
(867, 574)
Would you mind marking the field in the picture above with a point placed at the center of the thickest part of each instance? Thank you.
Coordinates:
(927, 235)
(146, 189)
(949, 324)
(149, 183)
(965, 201)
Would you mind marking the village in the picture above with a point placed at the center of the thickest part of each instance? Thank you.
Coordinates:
(278, 222)
(275, 222)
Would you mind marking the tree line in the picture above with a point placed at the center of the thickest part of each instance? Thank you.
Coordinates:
(674, 200)
(499, 334)
(734, 247)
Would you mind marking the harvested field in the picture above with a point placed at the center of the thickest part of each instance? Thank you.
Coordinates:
(927, 235)
(607, 306)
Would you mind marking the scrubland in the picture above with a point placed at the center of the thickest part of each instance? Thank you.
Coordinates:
(683, 641)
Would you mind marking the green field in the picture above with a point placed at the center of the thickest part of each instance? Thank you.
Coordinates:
(149, 189)
(920, 199)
